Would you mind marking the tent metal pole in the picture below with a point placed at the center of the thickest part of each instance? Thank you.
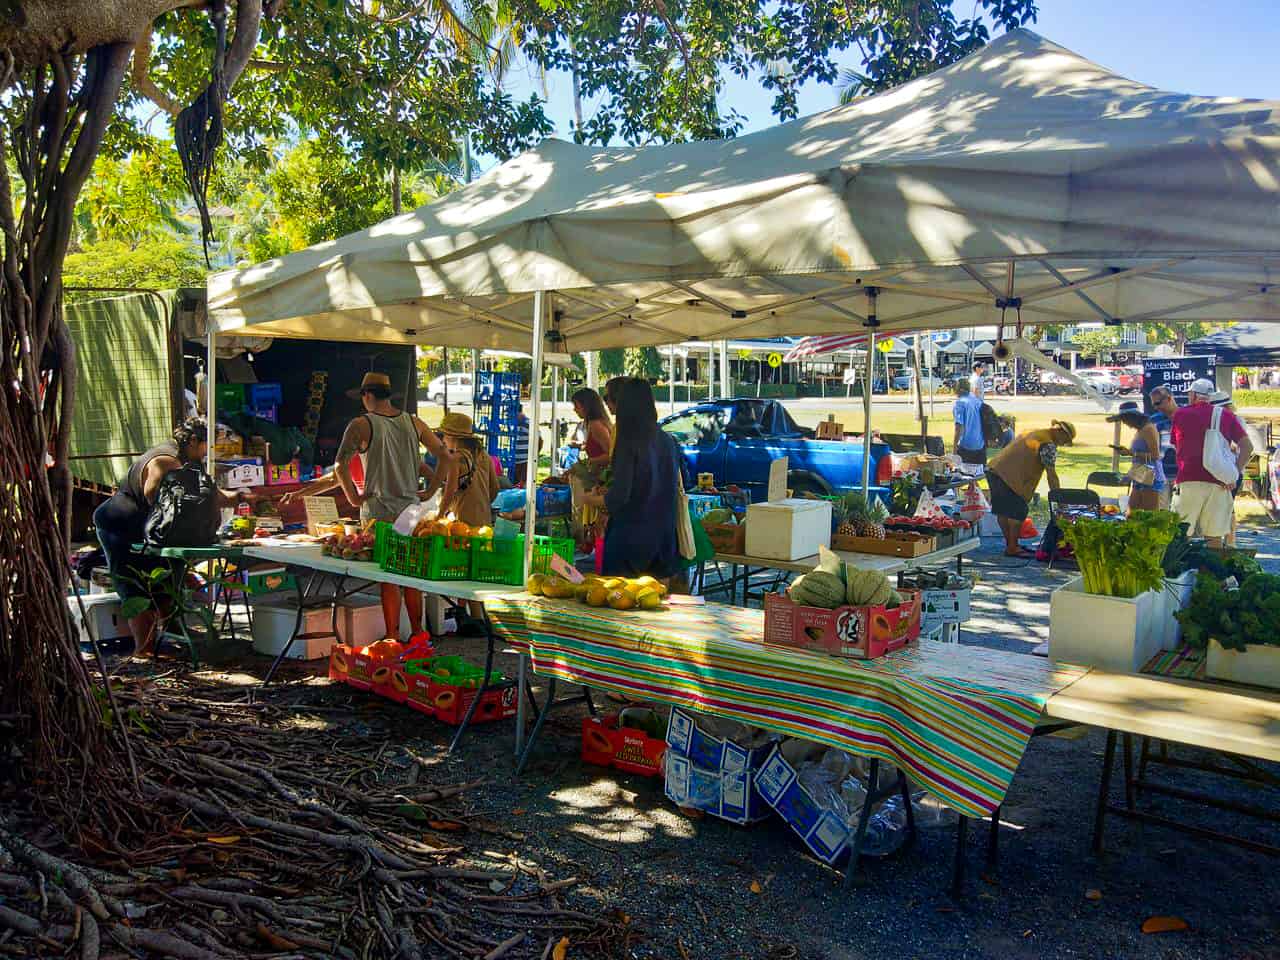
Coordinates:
(535, 432)
(445, 352)
(555, 419)
(867, 390)
(475, 381)
(593, 377)
(671, 378)
(724, 369)
(211, 405)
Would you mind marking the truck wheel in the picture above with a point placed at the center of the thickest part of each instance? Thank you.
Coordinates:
(805, 485)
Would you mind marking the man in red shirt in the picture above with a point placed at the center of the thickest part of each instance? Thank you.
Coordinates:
(1204, 501)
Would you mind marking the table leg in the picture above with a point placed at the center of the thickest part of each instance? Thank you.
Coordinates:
(522, 683)
(1104, 790)
(301, 589)
(537, 726)
(1128, 771)
(491, 638)
(853, 870)
(993, 840)
(957, 869)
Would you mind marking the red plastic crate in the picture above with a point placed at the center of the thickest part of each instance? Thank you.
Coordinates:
(449, 703)
(606, 744)
(861, 633)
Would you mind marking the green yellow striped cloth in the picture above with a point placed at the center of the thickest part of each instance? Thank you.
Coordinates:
(955, 718)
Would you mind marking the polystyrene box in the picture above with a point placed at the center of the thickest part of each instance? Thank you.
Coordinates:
(788, 529)
(1114, 633)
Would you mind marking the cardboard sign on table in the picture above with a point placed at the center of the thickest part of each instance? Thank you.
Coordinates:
(320, 510)
(777, 480)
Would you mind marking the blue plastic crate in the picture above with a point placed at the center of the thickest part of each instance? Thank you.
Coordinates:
(494, 385)
(554, 500)
(259, 396)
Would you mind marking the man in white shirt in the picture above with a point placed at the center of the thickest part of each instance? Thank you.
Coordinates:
(978, 382)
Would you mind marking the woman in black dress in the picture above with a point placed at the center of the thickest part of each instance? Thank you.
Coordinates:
(641, 499)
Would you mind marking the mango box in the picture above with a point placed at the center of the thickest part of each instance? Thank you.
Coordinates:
(390, 681)
(607, 744)
(860, 633)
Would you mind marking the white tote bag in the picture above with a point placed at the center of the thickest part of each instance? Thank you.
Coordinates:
(1217, 456)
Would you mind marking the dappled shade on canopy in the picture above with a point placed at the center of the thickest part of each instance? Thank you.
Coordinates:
(1023, 179)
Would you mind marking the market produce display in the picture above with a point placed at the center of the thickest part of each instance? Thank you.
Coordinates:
(1121, 558)
(855, 516)
(356, 546)
(834, 583)
(1235, 616)
(619, 593)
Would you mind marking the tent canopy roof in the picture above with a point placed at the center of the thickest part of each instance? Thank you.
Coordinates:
(1023, 177)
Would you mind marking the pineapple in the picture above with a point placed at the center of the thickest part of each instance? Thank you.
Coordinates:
(862, 519)
(840, 515)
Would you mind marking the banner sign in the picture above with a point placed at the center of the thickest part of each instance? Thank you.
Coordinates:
(1176, 373)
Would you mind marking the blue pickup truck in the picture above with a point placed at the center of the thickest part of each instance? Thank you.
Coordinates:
(736, 440)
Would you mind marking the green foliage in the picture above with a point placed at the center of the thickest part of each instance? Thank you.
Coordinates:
(642, 362)
(655, 72)
(1122, 559)
(1235, 618)
(613, 362)
(134, 198)
(1256, 398)
(156, 263)
(1095, 343)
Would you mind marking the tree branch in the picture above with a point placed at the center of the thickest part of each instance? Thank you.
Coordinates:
(140, 75)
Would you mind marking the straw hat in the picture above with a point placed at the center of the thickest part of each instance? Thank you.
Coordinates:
(371, 379)
(1068, 428)
(457, 425)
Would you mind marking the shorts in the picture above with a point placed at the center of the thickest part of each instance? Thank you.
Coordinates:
(978, 456)
(1206, 507)
(1004, 502)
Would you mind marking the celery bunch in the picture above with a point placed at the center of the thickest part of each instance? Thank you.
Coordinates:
(1121, 559)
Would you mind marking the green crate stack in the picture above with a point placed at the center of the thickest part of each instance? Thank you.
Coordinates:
(449, 558)
(431, 558)
(229, 398)
(502, 561)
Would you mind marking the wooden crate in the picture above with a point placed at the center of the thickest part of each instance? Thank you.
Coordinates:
(908, 545)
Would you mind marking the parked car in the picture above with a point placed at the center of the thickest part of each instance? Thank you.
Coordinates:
(460, 388)
(1129, 379)
(930, 381)
(736, 441)
(1101, 380)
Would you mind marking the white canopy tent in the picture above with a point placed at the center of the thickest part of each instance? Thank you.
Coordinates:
(1023, 183)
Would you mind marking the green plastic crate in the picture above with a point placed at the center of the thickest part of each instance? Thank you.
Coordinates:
(431, 558)
(230, 397)
(502, 561)
(459, 670)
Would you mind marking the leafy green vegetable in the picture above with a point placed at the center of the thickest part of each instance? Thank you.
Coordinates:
(1235, 618)
(1122, 559)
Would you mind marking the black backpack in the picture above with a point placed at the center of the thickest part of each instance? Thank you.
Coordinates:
(992, 427)
(186, 512)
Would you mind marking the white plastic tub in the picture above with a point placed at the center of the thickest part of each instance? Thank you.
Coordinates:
(1113, 633)
(1256, 664)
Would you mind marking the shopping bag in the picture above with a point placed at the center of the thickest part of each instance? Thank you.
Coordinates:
(973, 504)
(928, 508)
(1218, 458)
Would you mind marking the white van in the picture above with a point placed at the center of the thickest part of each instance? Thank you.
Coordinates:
(460, 388)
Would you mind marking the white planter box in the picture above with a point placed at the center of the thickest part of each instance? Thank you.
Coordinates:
(1113, 633)
(1256, 664)
(788, 529)
(1176, 595)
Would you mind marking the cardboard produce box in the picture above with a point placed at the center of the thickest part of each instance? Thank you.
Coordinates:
(860, 633)
(788, 529)
(711, 773)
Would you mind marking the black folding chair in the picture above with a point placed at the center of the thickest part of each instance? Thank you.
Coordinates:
(1062, 501)
(1106, 478)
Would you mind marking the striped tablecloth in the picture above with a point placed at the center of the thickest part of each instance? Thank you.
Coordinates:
(955, 718)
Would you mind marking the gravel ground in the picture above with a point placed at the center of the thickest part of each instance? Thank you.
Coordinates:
(688, 884)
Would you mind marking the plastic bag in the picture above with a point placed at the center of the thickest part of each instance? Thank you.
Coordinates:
(974, 503)
(928, 509)
(412, 514)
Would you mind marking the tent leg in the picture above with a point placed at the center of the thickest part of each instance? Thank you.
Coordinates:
(555, 421)
(868, 388)
(212, 405)
(671, 379)
(535, 432)
(724, 369)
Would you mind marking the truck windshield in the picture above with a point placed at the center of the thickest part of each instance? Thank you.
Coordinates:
(696, 426)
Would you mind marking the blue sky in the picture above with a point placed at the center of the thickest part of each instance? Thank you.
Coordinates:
(1216, 49)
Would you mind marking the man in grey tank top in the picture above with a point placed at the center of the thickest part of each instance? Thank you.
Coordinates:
(389, 438)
